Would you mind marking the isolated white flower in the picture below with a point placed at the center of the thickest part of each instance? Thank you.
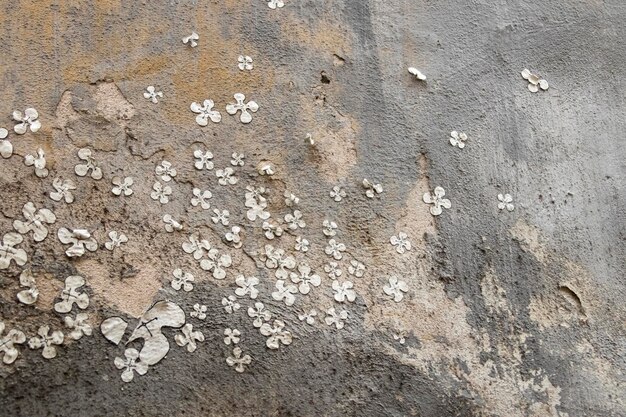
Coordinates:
(247, 286)
(78, 325)
(395, 289)
(294, 220)
(46, 340)
(130, 365)
(230, 304)
(356, 268)
(30, 295)
(165, 171)
(188, 337)
(216, 262)
(336, 318)
(198, 247)
(371, 189)
(259, 313)
(152, 95)
(273, 4)
(305, 279)
(71, 295)
(161, 192)
(506, 202)
(400, 337)
(204, 160)
(6, 147)
(302, 245)
(458, 139)
(36, 221)
(221, 216)
(337, 193)
(276, 334)
(329, 228)
(237, 159)
(8, 342)
(245, 63)
(437, 201)
(266, 168)
(240, 105)
(335, 249)
(309, 317)
(191, 39)
(90, 164)
(182, 280)
(39, 162)
(231, 336)
(534, 81)
(80, 239)
(272, 229)
(26, 120)
(122, 186)
(9, 253)
(116, 240)
(201, 198)
(238, 361)
(199, 311)
(171, 224)
(205, 112)
(285, 292)
(63, 190)
(226, 176)
(401, 242)
(343, 291)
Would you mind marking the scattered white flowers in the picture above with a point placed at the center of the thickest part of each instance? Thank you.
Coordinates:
(231, 336)
(237, 159)
(171, 224)
(294, 220)
(116, 240)
(78, 325)
(161, 192)
(188, 337)
(205, 112)
(308, 317)
(46, 340)
(337, 193)
(238, 361)
(336, 318)
(343, 291)
(305, 279)
(356, 268)
(122, 186)
(6, 147)
(63, 190)
(458, 139)
(201, 198)
(333, 270)
(437, 201)
(273, 4)
(259, 313)
(276, 334)
(302, 245)
(240, 105)
(329, 228)
(401, 242)
(247, 286)
(165, 171)
(80, 239)
(534, 81)
(245, 63)
(371, 189)
(152, 95)
(395, 289)
(505, 202)
(285, 292)
(8, 342)
(191, 39)
(216, 262)
(36, 221)
(199, 311)
(26, 120)
(70, 295)
(204, 160)
(226, 176)
(418, 74)
(182, 280)
(90, 164)
(230, 304)
(130, 365)
(39, 162)
(221, 216)
(30, 295)
(196, 246)
(335, 249)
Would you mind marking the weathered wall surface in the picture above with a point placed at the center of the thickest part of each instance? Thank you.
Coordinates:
(507, 313)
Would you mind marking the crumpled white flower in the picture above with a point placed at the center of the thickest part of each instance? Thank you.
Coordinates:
(245, 63)
(240, 104)
(247, 286)
(237, 159)
(371, 189)
(26, 120)
(302, 245)
(161, 192)
(276, 334)
(116, 240)
(199, 311)
(329, 228)
(333, 270)
(272, 229)
(285, 292)
(122, 186)
(458, 139)
(204, 160)
(191, 39)
(30, 295)
(90, 165)
(226, 176)
(308, 317)
(356, 268)
(259, 313)
(395, 289)
(9, 253)
(216, 262)
(36, 221)
(294, 220)
(70, 295)
(401, 242)
(80, 239)
(337, 193)
(130, 364)
(205, 112)
(238, 361)
(188, 337)
(152, 95)
(336, 318)
(39, 162)
(418, 74)
(171, 224)
(182, 280)
(273, 4)
(6, 147)
(46, 340)
(506, 202)
(231, 336)
(198, 247)
(63, 190)
(8, 342)
(78, 325)
(343, 291)
(266, 168)
(437, 201)
(221, 216)
(165, 171)
(305, 279)
(335, 249)
(230, 304)
(277, 259)
(534, 81)
(400, 337)
(201, 198)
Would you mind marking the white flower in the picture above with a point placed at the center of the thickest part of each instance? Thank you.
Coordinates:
(309, 317)
(437, 200)
(90, 165)
(272, 229)
(9, 253)
(255, 193)
(188, 337)
(130, 364)
(395, 289)
(337, 193)
(534, 81)
(63, 190)
(113, 329)
(304, 279)
(230, 304)
(273, 4)
(266, 168)
(196, 246)
(26, 120)
(400, 337)
(371, 189)
(237, 159)
(245, 63)
(70, 295)
(182, 280)
(203, 159)
(152, 95)
(276, 259)
(257, 209)
(171, 224)
(332, 317)
(6, 147)
(458, 139)
(238, 361)
(295, 220)
(36, 221)
(220, 217)
(333, 270)
(418, 74)
(330, 228)
(199, 311)
(8, 342)
(302, 244)
(344, 291)
(165, 171)
(191, 39)
(259, 314)
(122, 186)
(335, 249)
(30, 295)
(201, 198)
(290, 199)
(205, 112)
(276, 334)
(506, 202)
(247, 286)
(356, 268)
(401, 242)
(234, 237)
(245, 117)
(116, 240)
(216, 263)
(161, 193)
(80, 239)
(39, 162)
(78, 325)
(46, 340)
(285, 292)
(232, 336)
(225, 176)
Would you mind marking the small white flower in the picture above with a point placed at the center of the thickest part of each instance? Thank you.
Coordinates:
(30, 295)
(335, 249)
(201, 198)
(458, 139)
(152, 95)
(240, 104)
(198, 247)
(276, 334)
(273, 4)
(226, 176)
(290, 199)
(333, 270)
(9, 253)
(234, 237)
(294, 220)
(237, 159)
(305, 279)
(205, 112)
(46, 340)
(231, 336)
(216, 262)
(401, 242)
(534, 81)
(245, 63)
(165, 171)
(400, 337)
(80, 239)
(506, 202)
(78, 325)
(272, 229)
(220, 217)
(337, 193)
(395, 289)
(90, 164)
(191, 39)
(418, 74)
(259, 314)
(238, 361)
(276, 259)
(161, 192)
(6, 147)
(308, 317)
(230, 304)
(63, 190)
(39, 162)
(122, 186)
(302, 244)
(182, 280)
(116, 240)
(371, 190)
(257, 210)
(70, 295)
(343, 291)
(247, 286)
(8, 342)
(266, 168)
(188, 337)
(204, 160)
(36, 221)
(330, 228)
(130, 364)
(171, 224)
(199, 311)
(26, 120)
(285, 292)
(356, 268)
(332, 317)
(437, 200)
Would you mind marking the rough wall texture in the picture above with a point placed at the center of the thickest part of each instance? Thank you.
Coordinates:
(508, 313)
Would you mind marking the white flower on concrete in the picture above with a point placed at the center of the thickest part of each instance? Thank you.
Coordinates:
(165, 171)
(276, 334)
(245, 63)
(199, 311)
(285, 292)
(205, 112)
(191, 39)
(234, 237)
(400, 337)
(204, 160)
(302, 245)
(171, 224)
(335, 249)
(534, 81)
(356, 268)
(418, 74)
(30, 295)
(329, 228)
(505, 202)
(63, 190)
(308, 317)
(238, 361)
(122, 186)
(80, 239)
(333, 270)
(256, 193)
(152, 95)
(237, 159)
(266, 168)
(216, 262)
(272, 229)
(36, 221)
(247, 286)
(242, 106)
(290, 199)
(277, 259)
(9, 253)
(182, 280)
(371, 189)
(221, 216)
(337, 193)
(437, 201)
(71, 295)
(336, 318)
(90, 164)
(294, 220)
(458, 139)
(260, 314)
(226, 176)
(257, 210)
(46, 340)
(230, 304)
(396, 289)
(188, 338)
(6, 147)
(116, 240)
(343, 291)
(130, 365)
(113, 329)
(39, 162)
(196, 246)
(161, 193)
(78, 325)
(401, 242)
(231, 336)
(273, 4)
(26, 120)
(8, 342)
(305, 279)
(201, 198)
